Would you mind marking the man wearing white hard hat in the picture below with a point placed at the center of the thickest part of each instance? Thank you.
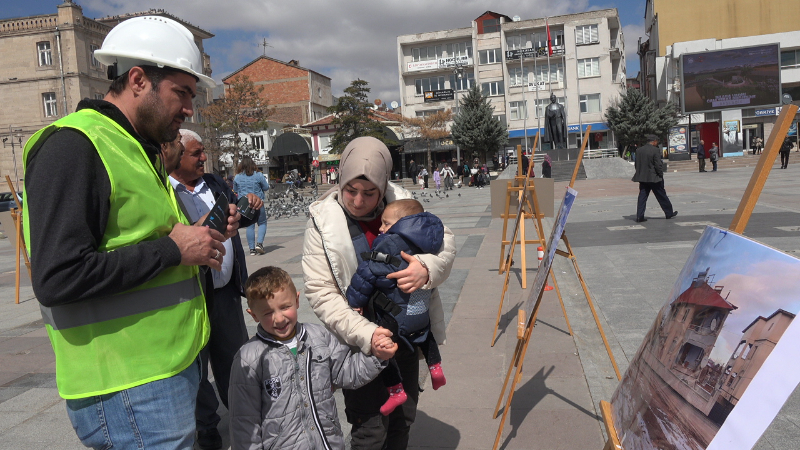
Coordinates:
(114, 261)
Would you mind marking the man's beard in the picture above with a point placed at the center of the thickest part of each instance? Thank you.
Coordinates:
(153, 122)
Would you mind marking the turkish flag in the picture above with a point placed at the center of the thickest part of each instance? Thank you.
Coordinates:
(549, 42)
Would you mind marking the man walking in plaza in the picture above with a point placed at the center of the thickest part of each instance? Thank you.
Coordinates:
(701, 156)
(114, 261)
(197, 191)
(650, 176)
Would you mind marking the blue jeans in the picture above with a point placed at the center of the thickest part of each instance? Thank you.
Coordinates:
(262, 230)
(157, 415)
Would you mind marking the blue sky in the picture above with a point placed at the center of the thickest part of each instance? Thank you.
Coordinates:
(343, 39)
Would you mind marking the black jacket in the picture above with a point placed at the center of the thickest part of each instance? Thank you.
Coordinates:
(219, 186)
(649, 166)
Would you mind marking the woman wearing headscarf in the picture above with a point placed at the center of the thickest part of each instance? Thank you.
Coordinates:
(343, 224)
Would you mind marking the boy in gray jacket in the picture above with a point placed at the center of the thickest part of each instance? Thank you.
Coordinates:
(280, 392)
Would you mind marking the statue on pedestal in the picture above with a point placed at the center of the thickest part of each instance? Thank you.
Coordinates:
(555, 124)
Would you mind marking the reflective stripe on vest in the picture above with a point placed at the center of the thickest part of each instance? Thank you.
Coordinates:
(113, 307)
(151, 332)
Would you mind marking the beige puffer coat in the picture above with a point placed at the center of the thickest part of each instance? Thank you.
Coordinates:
(329, 262)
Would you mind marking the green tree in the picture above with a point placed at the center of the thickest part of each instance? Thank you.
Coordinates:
(632, 116)
(474, 128)
(241, 111)
(354, 118)
(430, 127)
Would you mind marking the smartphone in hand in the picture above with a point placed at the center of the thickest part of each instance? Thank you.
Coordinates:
(218, 216)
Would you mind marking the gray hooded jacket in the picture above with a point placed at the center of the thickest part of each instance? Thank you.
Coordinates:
(270, 405)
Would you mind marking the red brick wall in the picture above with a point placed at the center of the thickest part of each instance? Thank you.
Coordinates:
(278, 92)
(291, 115)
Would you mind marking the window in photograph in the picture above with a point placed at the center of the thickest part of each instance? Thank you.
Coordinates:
(555, 72)
(586, 34)
(258, 141)
(428, 84)
(518, 76)
(490, 56)
(590, 103)
(50, 104)
(45, 53)
(589, 67)
(492, 88)
(517, 41)
(491, 25)
(517, 110)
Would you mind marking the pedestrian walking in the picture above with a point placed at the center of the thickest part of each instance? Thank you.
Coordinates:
(785, 150)
(117, 277)
(448, 175)
(250, 181)
(437, 179)
(701, 156)
(650, 176)
(547, 167)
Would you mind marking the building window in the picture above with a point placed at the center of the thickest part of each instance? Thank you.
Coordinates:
(95, 62)
(491, 25)
(459, 49)
(464, 83)
(319, 92)
(590, 103)
(426, 53)
(517, 110)
(492, 88)
(518, 76)
(45, 53)
(428, 84)
(518, 41)
(258, 141)
(428, 112)
(586, 34)
(490, 56)
(589, 67)
(542, 103)
(556, 73)
(325, 142)
(98, 96)
(50, 104)
(502, 119)
(790, 59)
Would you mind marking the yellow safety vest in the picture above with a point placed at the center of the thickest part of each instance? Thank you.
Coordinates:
(154, 331)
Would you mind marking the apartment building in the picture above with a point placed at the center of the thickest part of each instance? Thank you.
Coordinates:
(48, 68)
(517, 67)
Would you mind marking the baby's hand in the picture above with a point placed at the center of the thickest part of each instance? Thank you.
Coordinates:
(384, 348)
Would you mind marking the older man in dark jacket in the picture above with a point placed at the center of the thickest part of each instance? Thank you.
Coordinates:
(650, 176)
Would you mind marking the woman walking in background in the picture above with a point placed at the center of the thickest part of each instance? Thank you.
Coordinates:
(248, 180)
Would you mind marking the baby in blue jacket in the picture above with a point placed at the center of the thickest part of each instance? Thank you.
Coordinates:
(405, 228)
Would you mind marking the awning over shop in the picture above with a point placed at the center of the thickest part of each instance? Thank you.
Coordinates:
(393, 134)
(290, 144)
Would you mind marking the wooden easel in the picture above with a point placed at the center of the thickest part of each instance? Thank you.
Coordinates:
(751, 194)
(19, 242)
(524, 329)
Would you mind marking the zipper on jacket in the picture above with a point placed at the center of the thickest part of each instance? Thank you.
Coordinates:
(314, 412)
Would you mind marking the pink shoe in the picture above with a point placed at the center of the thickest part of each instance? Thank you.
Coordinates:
(437, 376)
(397, 396)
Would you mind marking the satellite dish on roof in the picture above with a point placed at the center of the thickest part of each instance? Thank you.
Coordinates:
(378, 101)
(516, 18)
(394, 105)
(786, 99)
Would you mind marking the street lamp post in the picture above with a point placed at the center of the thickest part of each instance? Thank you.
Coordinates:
(458, 75)
(10, 138)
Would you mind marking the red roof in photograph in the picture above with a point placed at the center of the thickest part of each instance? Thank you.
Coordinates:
(700, 293)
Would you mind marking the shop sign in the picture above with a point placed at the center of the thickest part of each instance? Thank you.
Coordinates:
(537, 86)
(573, 128)
(423, 65)
(436, 96)
(765, 112)
(329, 157)
(454, 61)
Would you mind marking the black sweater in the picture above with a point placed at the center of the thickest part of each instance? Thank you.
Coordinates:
(67, 189)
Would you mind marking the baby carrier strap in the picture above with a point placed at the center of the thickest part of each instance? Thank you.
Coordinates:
(381, 258)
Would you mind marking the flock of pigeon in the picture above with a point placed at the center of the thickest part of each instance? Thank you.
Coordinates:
(426, 196)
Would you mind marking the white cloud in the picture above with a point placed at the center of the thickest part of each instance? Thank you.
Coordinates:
(341, 39)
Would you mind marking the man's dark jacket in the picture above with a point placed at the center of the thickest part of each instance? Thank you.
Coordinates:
(219, 186)
(649, 166)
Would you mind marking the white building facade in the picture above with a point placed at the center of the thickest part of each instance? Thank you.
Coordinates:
(586, 70)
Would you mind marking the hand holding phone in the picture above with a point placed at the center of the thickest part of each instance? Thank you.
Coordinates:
(217, 218)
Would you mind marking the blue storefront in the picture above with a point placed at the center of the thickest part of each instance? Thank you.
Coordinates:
(599, 138)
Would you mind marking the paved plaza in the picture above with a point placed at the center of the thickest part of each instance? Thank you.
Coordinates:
(629, 269)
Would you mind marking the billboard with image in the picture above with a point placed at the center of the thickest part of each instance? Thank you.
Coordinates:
(746, 77)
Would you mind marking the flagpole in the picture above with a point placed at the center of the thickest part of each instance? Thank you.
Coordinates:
(536, 87)
(524, 104)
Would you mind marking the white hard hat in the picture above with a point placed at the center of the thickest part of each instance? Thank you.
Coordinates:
(152, 41)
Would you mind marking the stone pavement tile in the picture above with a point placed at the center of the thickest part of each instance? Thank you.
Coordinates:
(42, 431)
(551, 430)
(33, 380)
(552, 393)
(446, 428)
(9, 420)
(31, 401)
(546, 365)
(7, 393)
(7, 377)
(469, 365)
(22, 344)
(463, 392)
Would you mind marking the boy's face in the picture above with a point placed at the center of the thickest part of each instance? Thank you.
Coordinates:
(277, 315)
(389, 217)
